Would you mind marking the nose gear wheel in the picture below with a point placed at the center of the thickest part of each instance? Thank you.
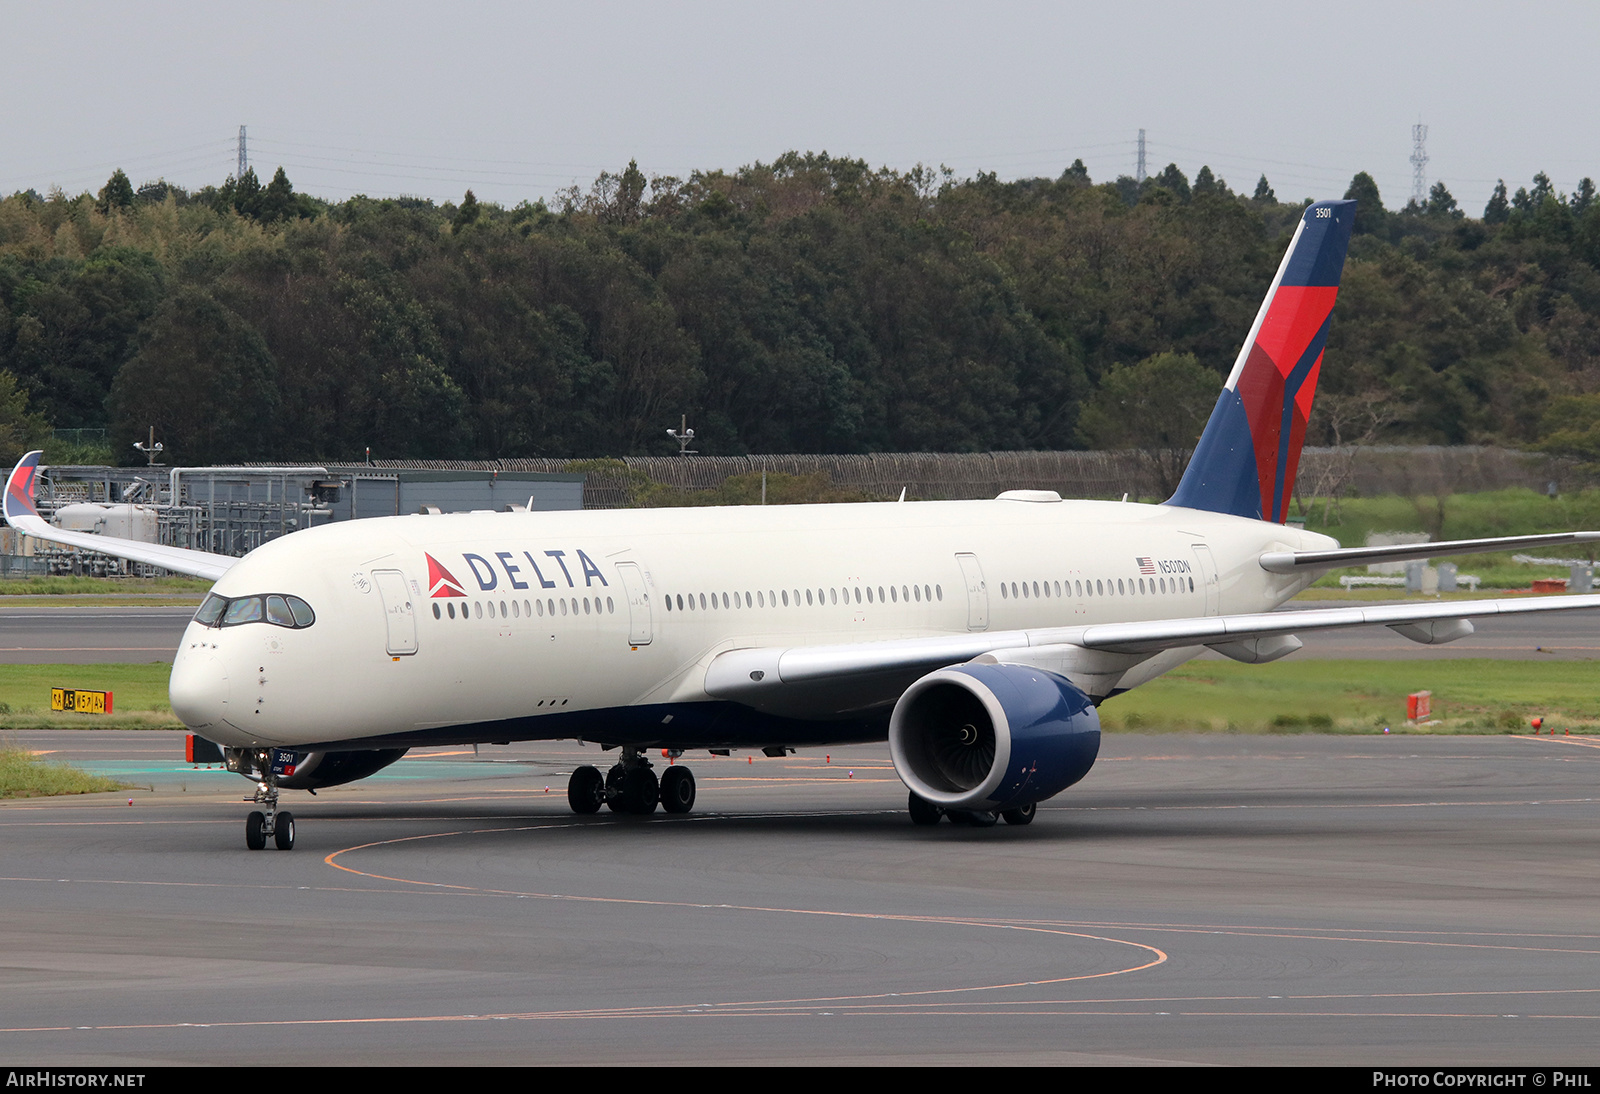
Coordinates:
(260, 825)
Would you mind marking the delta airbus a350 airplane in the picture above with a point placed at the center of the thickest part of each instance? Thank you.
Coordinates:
(976, 636)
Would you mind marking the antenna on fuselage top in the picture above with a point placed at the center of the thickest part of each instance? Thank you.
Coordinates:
(902, 493)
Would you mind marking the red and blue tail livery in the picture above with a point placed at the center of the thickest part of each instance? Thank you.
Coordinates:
(1247, 457)
(19, 487)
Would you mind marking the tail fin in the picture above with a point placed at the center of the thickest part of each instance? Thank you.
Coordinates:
(1247, 457)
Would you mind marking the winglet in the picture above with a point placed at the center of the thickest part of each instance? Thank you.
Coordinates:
(19, 487)
(21, 515)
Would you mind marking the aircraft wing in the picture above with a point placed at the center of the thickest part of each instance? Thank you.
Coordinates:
(1430, 624)
(21, 514)
(760, 676)
(1289, 562)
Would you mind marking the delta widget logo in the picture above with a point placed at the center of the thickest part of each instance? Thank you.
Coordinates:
(441, 582)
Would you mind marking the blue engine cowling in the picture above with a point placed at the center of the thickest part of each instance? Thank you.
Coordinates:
(992, 737)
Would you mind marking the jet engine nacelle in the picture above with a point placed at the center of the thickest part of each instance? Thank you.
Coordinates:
(992, 737)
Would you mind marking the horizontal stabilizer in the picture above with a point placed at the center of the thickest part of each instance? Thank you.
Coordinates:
(1290, 562)
(22, 515)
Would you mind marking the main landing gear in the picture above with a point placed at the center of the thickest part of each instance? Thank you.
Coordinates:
(259, 826)
(631, 787)
(924, 811)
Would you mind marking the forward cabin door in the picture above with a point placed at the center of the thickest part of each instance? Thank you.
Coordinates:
(397, 611)
(977, 592)
(639, 629)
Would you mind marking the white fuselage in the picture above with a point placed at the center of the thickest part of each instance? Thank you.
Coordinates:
(567, 613)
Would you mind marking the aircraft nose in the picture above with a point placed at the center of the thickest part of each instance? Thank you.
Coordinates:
(198, 690)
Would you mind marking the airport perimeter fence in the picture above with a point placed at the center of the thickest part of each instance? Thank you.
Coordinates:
(1420, 470)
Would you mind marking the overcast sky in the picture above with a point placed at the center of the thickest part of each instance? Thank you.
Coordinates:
(517, 100)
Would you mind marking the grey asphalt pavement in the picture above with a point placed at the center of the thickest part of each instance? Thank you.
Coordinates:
(1207, 899)
(73, 634)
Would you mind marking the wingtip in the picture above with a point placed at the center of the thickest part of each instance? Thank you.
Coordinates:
(19, 486)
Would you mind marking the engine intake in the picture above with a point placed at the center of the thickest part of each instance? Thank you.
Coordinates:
(992, 737)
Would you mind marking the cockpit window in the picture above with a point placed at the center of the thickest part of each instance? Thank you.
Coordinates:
(211, 610)
(278, 609)
(246, 609)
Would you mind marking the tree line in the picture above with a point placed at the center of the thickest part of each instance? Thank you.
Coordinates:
(811, 304)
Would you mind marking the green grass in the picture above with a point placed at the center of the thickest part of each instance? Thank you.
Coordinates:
(183, 588)
(1466, 516)
(1495, 571)
(139, 696)
(1469, 696)
(24, 775)
(1331, 594)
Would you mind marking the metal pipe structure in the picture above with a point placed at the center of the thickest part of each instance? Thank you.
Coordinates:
(243, 472)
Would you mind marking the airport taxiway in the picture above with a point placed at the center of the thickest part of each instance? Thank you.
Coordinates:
(80, 634)
(1203, 899)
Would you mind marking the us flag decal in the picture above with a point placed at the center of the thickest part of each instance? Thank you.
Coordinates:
(1146, 566)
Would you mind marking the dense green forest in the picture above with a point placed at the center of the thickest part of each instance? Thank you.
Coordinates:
(807, 305)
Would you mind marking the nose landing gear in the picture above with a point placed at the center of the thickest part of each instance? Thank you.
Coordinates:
(259, 826)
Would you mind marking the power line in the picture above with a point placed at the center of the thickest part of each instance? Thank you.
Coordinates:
(134, 162)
